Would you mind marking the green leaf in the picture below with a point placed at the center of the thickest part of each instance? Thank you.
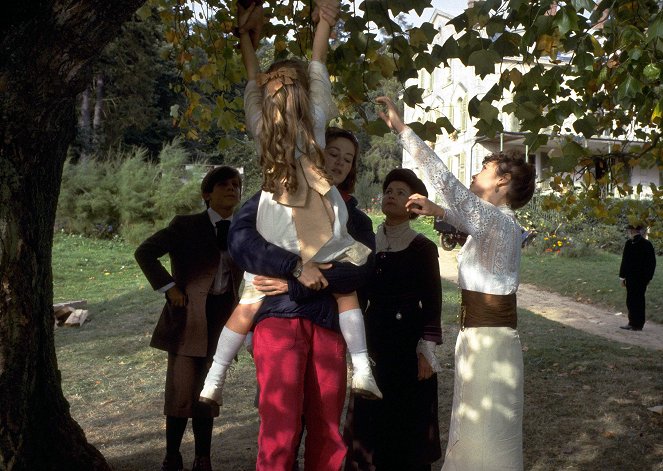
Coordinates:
(657, 114)
(450, 50)
(534, 141)
(584, 127)
(377, 128)
(651, 72)
(412, 95)
(566, 20)
(655, 30)
(428, 131)
(567, 161)
(484, 62)
(495, 26)
(587, 5)
(145, 11)
(489, 129)
(488, 112)
(574, 150)
(507, 44)
(629, 88)
(444, 122)
(473, 107)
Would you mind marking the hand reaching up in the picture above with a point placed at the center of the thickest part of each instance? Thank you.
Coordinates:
(251, 20)
(328, 11)
(392, 117)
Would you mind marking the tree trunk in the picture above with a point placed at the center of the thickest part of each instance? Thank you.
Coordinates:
(84, 126)
(46, 49)
(97, 132)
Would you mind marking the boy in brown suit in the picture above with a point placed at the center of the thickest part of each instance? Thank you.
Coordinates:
(201, 291)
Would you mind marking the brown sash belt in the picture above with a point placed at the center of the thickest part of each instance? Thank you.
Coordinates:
(487, 310)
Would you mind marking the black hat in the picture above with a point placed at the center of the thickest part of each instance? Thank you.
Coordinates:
(637, 227)
(408, 177)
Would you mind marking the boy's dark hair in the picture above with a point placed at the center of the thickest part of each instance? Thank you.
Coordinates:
(523, 176)
(218, 175)
(332, 133)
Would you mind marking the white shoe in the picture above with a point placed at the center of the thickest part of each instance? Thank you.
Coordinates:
(364, 385)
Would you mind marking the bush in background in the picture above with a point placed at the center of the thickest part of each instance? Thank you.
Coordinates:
(126, 195)
(584, 234)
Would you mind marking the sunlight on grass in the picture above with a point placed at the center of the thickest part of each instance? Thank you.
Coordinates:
(586, 398)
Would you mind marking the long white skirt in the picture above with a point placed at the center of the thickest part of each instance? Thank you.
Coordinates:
(485, 433)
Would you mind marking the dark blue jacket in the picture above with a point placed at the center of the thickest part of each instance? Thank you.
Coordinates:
(254, 254)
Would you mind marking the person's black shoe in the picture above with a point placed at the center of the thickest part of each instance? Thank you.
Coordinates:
(630, 327)
(202, 463)
(172, 462)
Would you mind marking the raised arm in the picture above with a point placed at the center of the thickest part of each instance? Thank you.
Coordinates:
(462, 208)
(250, 23)
(328, 13)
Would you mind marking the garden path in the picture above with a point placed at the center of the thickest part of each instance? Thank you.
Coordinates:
(596, 320)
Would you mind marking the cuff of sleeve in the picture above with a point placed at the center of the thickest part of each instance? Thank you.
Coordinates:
(406, 133)
(427, 349)
(163, 289)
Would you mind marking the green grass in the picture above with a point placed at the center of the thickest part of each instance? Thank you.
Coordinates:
(93, 269)
(589, 279)
(586, 398)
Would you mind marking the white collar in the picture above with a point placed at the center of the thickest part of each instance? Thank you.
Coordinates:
(394, 238)
(216, 217)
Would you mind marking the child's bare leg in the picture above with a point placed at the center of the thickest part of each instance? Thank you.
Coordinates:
(230, 341)
(351, 321)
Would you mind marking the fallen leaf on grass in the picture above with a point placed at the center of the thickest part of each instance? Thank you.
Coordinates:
(657, 409)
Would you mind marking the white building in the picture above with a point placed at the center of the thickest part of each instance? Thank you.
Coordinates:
(447, 92)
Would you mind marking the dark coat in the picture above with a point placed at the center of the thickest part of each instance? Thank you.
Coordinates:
(190, 242)
(255, 255)
(638, 261)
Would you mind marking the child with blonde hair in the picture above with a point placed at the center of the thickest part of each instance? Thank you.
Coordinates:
(287, 111)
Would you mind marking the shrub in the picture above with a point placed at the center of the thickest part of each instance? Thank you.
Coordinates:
(127, 195)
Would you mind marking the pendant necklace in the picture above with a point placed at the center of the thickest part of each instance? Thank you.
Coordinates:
(384, 230)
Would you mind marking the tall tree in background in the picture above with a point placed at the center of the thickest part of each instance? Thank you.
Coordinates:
(46, 53)
(128, 100)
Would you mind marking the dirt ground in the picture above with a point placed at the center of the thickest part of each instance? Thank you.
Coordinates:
(593, 319)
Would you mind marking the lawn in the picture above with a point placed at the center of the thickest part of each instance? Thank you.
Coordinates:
(586, 398)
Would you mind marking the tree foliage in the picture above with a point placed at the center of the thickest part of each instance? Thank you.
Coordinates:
(592, 69)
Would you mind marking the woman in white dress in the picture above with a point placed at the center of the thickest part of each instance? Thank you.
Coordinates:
(486, 420)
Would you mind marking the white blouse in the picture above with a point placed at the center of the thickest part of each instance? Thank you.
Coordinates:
(489, 262)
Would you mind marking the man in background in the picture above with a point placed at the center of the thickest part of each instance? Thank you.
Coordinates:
(636, 271)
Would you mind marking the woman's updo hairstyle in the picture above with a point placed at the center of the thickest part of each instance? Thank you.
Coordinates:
(523, 176)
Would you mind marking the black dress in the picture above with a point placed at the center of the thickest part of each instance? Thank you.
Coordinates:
(399, 432)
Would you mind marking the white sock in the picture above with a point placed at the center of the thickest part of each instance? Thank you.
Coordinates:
(229, 344)
(354, 333)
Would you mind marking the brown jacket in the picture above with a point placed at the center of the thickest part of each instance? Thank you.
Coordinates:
(194, 258)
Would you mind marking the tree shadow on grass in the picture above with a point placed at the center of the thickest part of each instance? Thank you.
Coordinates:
(586, 400)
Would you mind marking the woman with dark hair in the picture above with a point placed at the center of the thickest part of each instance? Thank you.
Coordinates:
(486, 418)
(341, 156)
(401, 431)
